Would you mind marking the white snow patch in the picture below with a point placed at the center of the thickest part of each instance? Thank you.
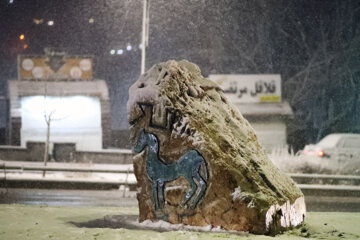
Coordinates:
(116, 178)
(238, 195)
(251, 204)
(120, 178)
(292, 214)
(197, 139)
(166, 226)
(184, 122)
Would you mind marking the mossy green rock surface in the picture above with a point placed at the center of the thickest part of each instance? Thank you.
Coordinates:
(186, 111)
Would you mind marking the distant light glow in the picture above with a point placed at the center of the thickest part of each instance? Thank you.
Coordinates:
(38, 21)
(91, 20)
(112, 51)
(320, 153)
(22, 37)
(50, 23)
(11, 1)
(25, 46)
(120, 51)
(140, 46)
(128, 47)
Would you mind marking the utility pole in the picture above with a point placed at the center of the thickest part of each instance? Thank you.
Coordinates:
(145, 34)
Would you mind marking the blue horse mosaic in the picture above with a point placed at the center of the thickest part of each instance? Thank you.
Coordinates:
(188, 166)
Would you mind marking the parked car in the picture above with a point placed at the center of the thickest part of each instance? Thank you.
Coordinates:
(335, 153)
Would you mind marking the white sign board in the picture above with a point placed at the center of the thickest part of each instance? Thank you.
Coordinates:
(75, 119)
(250, 88)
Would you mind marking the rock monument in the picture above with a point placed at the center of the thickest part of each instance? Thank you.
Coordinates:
(199, 161)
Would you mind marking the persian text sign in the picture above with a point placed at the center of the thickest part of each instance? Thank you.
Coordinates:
(246, 88)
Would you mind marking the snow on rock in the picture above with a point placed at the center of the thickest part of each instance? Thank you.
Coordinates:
(291, 215)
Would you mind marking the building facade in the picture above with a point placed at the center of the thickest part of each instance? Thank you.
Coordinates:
(57, 92)
(259, 99)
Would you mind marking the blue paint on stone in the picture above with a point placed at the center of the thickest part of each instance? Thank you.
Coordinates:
(188, 166)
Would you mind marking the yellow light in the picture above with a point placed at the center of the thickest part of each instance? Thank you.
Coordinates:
(320, 153)
(38, 21)
(22, 37)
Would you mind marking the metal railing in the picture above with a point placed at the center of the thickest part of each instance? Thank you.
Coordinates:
(12, 176)
(310, 184)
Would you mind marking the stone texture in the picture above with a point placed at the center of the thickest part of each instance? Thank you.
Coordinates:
(185, 111)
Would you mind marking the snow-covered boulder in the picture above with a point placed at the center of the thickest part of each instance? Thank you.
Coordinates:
(200, 162)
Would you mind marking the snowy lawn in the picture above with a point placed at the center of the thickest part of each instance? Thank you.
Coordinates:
(41, 222)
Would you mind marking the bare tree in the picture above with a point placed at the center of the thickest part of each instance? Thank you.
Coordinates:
(320, 63)
(49, 118)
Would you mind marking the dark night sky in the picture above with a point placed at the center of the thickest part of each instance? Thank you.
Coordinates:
(228, 36)
(182, 30)
(116, 23)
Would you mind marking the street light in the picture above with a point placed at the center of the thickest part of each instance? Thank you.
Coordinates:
(145, 33)
(38, 21)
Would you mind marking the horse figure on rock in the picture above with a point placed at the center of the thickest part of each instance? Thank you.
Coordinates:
(160, 173)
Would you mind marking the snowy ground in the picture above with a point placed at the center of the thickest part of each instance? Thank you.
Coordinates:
(70, 175)
(18, 222)
(96, 177)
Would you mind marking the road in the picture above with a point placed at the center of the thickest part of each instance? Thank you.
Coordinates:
(59, 197)
(122, 198)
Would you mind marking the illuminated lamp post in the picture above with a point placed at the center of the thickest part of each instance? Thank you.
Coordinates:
(145, 34)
